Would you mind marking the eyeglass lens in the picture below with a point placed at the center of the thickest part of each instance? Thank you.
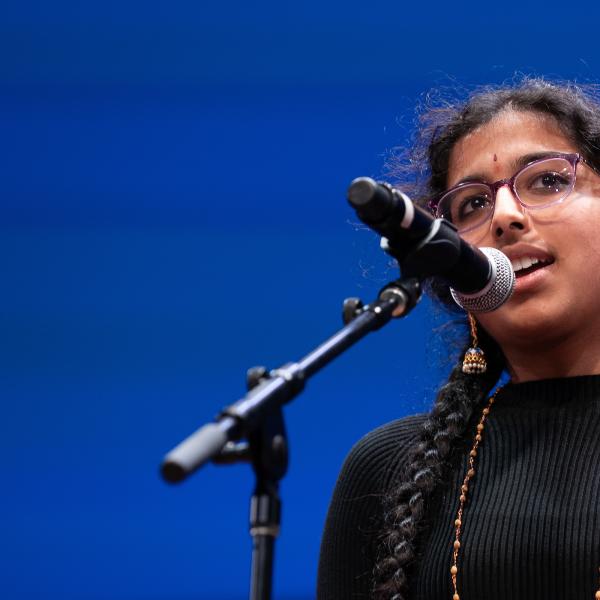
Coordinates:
(540, 184)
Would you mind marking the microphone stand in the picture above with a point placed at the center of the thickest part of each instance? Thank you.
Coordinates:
(429, 247)
(258, 418)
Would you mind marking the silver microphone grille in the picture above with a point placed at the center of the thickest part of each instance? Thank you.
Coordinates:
(498, 290)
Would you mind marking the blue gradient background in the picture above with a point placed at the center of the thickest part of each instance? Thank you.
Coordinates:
(173, 180)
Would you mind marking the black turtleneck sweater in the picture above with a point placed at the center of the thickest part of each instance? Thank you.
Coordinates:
(531, 528)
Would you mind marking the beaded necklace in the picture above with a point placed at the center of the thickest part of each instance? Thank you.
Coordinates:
(464, 489)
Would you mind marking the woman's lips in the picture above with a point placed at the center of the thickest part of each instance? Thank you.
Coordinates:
(530, 279)
(526, 271)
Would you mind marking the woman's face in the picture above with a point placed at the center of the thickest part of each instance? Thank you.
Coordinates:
(560, 295)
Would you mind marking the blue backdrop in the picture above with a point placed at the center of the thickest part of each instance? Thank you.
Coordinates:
(173, 212)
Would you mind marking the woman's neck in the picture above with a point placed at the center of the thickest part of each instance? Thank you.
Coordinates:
(566, 357)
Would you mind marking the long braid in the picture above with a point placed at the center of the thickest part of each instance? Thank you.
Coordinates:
(427, 470)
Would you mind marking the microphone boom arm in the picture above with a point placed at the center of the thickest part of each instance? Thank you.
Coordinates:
(281, 385)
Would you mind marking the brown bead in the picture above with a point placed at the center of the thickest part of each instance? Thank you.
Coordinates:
(473, 453)
(480, 427)
(598, 595)
(477, 438)
(454, 570)
(471, 472)
(457, 544)
(463, 498)
(455, 597)
(458, 522)
(486, 411)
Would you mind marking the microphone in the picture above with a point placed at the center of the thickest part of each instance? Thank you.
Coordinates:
(480, 279)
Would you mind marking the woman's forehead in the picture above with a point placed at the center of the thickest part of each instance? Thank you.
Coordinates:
(492, 150)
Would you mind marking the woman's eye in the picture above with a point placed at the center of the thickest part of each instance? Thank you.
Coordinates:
(472, 204)
(549, 182)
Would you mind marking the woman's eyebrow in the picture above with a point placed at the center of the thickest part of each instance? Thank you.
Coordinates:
(520, 162)
(517, 164)
(474, 178)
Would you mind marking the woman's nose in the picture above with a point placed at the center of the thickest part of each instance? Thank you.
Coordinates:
(509, 216)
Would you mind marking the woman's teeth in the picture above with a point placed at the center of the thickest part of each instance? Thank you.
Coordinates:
(519, 264)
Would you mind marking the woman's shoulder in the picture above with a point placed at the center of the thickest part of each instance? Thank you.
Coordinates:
(355, 516)
(381, 454)
(393, 433)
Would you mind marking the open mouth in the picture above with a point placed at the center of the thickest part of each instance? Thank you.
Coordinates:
(528, 264)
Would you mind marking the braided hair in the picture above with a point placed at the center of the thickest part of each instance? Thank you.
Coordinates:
(576, 112)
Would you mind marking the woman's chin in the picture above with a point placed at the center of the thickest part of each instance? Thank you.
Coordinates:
(528, 323)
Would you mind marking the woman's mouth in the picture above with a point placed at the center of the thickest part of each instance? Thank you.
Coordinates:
(528, 264)
(531, 273)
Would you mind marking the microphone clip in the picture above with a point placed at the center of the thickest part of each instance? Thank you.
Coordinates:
(436, 254)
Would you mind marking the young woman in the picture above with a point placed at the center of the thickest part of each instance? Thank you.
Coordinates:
(496, 492)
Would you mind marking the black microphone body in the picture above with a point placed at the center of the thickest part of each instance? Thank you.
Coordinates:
(427, 247)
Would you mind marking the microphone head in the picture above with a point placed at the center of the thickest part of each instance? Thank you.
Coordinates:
(361, 191)
(496, 292)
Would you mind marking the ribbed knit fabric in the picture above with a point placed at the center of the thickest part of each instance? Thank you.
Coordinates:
(532, 522)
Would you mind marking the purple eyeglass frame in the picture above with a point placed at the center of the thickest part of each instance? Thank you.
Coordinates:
(574, 159)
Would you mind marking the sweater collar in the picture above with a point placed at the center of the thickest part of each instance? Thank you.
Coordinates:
(551, 392)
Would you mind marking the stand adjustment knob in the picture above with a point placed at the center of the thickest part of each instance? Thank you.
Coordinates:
(351, 309)
(254, 375)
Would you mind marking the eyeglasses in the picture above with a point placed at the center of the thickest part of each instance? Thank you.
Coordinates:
(539, 184)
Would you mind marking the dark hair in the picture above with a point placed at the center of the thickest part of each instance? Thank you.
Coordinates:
(437, 451)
